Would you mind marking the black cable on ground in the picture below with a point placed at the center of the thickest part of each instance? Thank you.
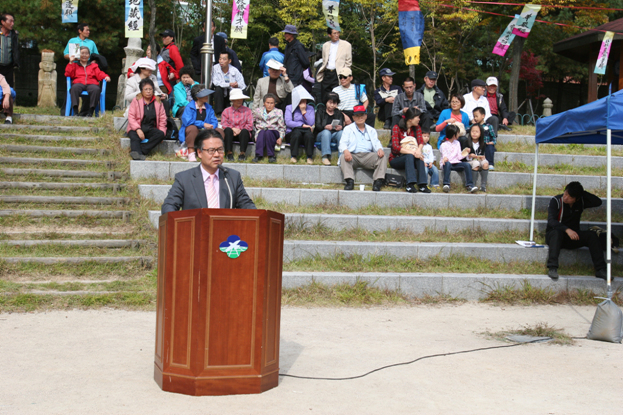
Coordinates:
(408, 363)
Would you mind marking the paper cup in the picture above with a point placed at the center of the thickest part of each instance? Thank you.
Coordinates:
(362, 187)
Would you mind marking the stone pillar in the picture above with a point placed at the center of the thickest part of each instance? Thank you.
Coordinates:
(547, 107)
(47, 80)
(132, 52)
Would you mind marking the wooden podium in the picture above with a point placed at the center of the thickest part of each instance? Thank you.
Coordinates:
(218, 305)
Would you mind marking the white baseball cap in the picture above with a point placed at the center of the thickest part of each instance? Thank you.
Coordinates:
(492, 80)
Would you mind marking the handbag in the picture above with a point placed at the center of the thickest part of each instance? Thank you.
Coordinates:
(603, 235)
(394, 180)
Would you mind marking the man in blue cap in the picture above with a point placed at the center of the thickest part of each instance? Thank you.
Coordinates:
(296, 57)
(384, 97)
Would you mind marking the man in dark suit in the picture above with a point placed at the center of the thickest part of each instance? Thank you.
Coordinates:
(208, 185)
(218, 44)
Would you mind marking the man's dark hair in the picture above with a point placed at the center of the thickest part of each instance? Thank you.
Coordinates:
(186, 70)
(206, 135)
(225, 52)
(144, 82)
(81, 27)
(273, 41)
(409, 79)
(575, 189)
(451, 131)
(460, 98)
(332, 96)
(4, 16)
(409, 115)
(480, 110)
(330, 31)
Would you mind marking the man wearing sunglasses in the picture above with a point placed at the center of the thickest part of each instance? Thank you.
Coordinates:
(208, 185)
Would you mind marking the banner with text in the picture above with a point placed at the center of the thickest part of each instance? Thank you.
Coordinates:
(134, 18)
(411, 24)
(331, 10)
(240, 19)
(504, 42)
(70, 11)
(526, 20)
(602, 59)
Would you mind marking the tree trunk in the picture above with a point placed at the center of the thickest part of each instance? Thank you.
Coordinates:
(412, 71)
(152, 29)
(373, 43)
(513, 87)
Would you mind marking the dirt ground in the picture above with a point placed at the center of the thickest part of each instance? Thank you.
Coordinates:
(101, 362)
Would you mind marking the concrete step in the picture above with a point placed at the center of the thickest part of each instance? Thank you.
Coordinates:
(39, 149)
(42, 213)
(465, 286)
(357, 199)
(297, 250)
(557, 159)
(52, 128)
(110, 175)
(415, 224)
(70, 162)
(144, 261)
(66, 200)
(55, 186)
(166, 170)
(100, 243)
(52, 138)
(50, 118)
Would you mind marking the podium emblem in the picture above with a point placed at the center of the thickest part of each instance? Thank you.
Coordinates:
(233, 246)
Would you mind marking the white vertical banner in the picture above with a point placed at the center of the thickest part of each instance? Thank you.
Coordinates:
(133, 18)
(331, 10)
(69, 11)
(239, 19)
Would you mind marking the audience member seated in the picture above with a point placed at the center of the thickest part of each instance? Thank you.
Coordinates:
(235, 62)
(85, 76)
(277, 83)
(433, 96)
(488, 135)
(224, 78)
(82, 40)
(351, 95)
(476, 158)
(181, 91)
(410, 98)
(497, 106)
(300, 120)
(429, 160)
(147, 121)
(407, 153)
(7, 95)
(237, 121)
(329, 126)
(451, 159)
(270, 129)
(361, 148)
(452, 116)
(272, 53)
(384, 97)
(476, 99)
(143, 69)
(197, 116)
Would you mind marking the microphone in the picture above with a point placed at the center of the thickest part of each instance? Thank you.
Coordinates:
(225, 171)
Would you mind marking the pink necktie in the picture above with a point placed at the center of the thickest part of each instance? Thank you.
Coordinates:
(212, 195)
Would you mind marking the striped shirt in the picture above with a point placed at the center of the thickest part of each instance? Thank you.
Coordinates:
(347, 96)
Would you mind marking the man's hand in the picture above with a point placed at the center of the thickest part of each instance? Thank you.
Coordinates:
(573, 234)
(404, 110)
(171, 76)
(505, 121)
(141, 134)
(338, 128)
(328, 127)
(380, 153)
(107, 79)
(6, 101)
(390, 100)
(348, 157)
(347, 120)
(208, 126)
(283, 72)
(234, 84)
(236, 131)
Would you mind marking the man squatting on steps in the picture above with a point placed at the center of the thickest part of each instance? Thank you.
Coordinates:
(563, 228)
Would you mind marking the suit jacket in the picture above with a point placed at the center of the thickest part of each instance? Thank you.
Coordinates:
(343, 57)
(195, 52)
(283, 89)
(188, 191)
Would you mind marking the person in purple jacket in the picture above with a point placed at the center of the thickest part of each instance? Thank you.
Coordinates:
(300, 120)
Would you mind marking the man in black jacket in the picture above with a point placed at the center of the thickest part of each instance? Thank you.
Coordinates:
(218, 44)
(296, 57)
(497, 104)
(563, 228)
(9, 47)
(435, 99)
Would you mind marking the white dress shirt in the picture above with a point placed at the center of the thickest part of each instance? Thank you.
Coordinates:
(472, 103)
(332, 55)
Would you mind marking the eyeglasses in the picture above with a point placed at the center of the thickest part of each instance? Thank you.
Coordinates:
(211, 151)
(343, 77)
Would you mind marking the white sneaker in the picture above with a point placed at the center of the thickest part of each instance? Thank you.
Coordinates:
(472, 189)
(446, 188)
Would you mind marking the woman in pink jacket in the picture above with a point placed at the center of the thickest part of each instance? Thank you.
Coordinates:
(147, 121)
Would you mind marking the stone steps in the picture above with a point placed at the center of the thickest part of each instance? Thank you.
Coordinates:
(52, 128)
(358, 199)
(50, 118)
(68, 162)
(144, 261)
(38, 149)
(43, 213)
(110, 175)
(51, 138)
(56, 186)
(74, 200)
(99, 243)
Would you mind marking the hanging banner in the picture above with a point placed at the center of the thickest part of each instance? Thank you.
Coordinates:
(411, 24)
(133, 18)
(240, 19)
(526, 20)
(504, 42)
(331, 10)
(70, 11)
(602, 59)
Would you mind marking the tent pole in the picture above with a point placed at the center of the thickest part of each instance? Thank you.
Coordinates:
(536, 165)
(609, 213)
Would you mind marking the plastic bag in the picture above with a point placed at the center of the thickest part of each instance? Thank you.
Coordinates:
(607, 324)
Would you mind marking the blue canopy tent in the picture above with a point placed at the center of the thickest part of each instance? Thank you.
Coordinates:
(600, 122)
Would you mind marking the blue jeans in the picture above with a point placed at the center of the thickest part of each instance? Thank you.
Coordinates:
(447, 167)
(414, 168)
(490, 153)
(325, 137)
(434, 175)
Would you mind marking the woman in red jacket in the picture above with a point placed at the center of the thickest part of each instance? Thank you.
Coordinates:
(147, 121)
(85, 75)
